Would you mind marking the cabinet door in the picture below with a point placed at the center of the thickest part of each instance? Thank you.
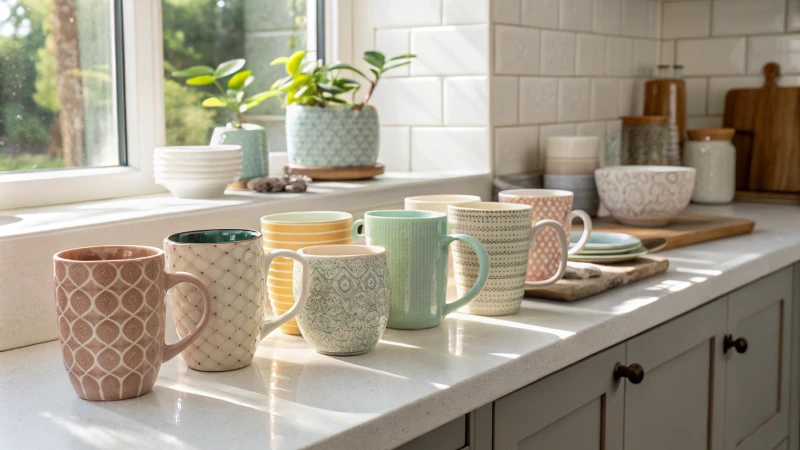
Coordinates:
(679, 403)
(578, 408)
(450, 436)
(757, 384)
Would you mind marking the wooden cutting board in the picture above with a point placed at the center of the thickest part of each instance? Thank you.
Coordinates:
(686, 229)
(611, 276)
(767, 140)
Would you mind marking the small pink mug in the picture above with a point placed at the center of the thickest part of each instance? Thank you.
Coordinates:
(545, 258)
(112, 318)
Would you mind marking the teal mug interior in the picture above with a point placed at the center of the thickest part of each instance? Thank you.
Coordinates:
(214, 236)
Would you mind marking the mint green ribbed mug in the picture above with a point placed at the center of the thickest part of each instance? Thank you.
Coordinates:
(416, 244)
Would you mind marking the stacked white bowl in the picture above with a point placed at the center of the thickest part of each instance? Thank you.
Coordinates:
(570, 164)
(197, 171)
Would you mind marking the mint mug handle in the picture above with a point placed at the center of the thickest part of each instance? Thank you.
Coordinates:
(562, 247)
(483, 273)
(358, 223)
(587, 229)
(270, 326)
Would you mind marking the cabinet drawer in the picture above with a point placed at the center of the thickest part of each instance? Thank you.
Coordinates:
(450, 436)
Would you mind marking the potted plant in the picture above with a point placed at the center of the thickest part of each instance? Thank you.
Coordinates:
(323, 128)
(251, 137)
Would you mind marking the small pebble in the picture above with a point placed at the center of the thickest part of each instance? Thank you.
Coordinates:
(287, 183)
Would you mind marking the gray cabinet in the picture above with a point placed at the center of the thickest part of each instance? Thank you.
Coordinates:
(679, 403)
(578, 408)
(450, 436)
(757, 378)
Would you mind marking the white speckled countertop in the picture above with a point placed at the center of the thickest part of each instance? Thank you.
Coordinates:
(411, 383)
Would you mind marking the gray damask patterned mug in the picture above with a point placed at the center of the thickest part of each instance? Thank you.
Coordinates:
(348, 303)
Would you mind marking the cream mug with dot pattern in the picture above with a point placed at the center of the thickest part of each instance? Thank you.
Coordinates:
(548, 204)
(233, 265)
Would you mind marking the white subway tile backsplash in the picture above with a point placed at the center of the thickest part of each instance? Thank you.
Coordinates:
(686, 19)
(718, 88)
(575, 15)
(457, 12)
(395, 151)
(505, 100)
(667, 54)
(654, 20)
(607, 15)
(394, 42)
(516, 50)
(547, 131)
(450, 50)
(703, 122)
(619, 56)
(784, 50)
(538, 99)
(738, 17)
(406, 13)
(466, 101)
(631, 97)
(573, 99)
(645, 57)
(558, 53)
(450, 149)
(506, 11)
(696, 94)
(516, 150)
(597, 129)
(605, 98)
(793, 21)
(590, 54)
(409, 101)
(712, 56)
(636, 18)
(540, 13)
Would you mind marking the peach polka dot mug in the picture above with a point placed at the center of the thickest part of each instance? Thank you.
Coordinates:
(544, 257)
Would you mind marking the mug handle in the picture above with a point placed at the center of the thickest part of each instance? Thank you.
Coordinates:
(587, 229)
(562, 247)
(358, 223)
(483, 273)
(270, 326)
(171, 350)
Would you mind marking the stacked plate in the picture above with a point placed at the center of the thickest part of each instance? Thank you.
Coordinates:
(570, 165)
(606, 248)
(583, 186)
(197, 171)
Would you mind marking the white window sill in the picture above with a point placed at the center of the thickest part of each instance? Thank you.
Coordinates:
(29, 237)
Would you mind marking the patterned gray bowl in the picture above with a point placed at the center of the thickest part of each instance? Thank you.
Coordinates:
(645, 196)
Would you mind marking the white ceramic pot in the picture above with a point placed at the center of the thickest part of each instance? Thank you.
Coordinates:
(714, 157)
(646, 196)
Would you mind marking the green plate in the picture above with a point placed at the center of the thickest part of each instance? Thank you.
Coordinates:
(604, 241)
(607, 259)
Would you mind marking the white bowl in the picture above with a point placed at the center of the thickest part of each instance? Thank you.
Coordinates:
(219, 178)
(647, 196)
(573, 147)
(196, 162)
(213, 169)
(199, 153)
(194, 190)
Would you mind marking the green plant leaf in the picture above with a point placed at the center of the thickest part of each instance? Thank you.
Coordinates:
(280, 82)
(297, 81)
(302, 91)
(374, 60)
(335, 100)
(261, 96)
(237, 81)
(202, 80)
(331, 89)
(341, 65)
(279, 60)
(406, 56)
(396, 65)
(229, 67)
(294, 62)
(194, 71)
(214, 102)
(375, 72)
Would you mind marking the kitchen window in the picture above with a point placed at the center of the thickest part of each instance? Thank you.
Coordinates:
(87, 92)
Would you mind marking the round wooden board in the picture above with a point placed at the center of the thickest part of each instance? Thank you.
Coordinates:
(338, 173)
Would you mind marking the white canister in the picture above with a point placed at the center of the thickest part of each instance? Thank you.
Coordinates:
(711, 152)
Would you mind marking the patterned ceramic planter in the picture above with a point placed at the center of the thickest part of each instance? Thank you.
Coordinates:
(255, 159)
(348, 306)
(335, 136)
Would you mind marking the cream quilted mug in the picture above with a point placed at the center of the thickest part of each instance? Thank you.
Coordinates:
(233, 265)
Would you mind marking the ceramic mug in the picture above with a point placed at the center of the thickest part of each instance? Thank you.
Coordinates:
(438, 203)
(416, 244)
(549, 204)
(293, 231)
(233, 264)
(348, 304)
(112, 316)
(505, 231)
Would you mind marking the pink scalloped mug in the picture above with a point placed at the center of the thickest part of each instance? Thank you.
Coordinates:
(112, 318)
(544, 257)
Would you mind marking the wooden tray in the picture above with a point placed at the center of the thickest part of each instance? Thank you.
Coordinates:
(611, 276)
(686, 229)
(336, 174)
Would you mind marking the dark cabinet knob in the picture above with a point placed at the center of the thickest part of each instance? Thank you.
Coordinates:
(739, 344)
(634, 373)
